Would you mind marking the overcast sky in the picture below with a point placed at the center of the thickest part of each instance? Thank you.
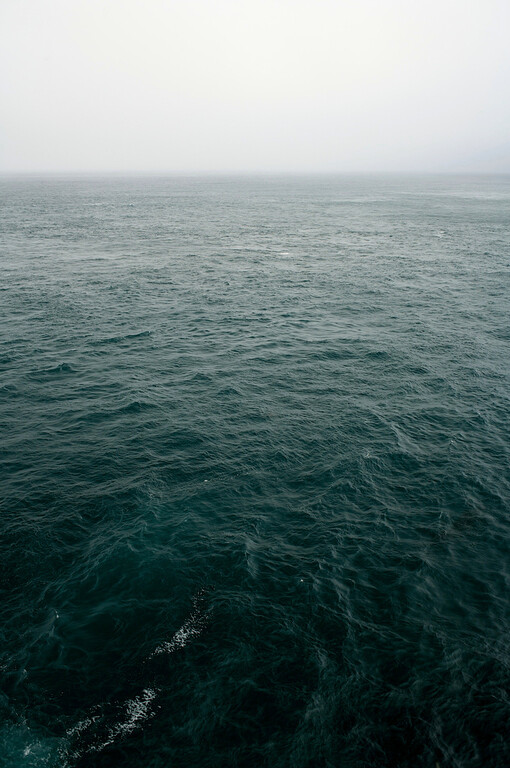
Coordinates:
(254, 85)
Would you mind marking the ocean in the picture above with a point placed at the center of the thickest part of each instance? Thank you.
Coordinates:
(254, 471)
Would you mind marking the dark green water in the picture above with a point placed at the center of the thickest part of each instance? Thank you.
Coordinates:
(254, 472)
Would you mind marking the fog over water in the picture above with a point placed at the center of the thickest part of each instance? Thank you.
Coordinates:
(272, 85)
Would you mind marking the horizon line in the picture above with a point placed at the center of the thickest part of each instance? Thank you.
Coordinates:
(245, 173)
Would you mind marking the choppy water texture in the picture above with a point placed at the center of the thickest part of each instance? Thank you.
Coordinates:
(255, 490)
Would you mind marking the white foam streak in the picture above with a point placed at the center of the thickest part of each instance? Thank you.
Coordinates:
(137, 710)
(140, 708)
(192, 628)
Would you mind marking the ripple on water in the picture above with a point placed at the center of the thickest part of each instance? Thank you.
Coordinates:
(254, 472)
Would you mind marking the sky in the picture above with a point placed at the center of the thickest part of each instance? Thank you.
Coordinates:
(239, 86)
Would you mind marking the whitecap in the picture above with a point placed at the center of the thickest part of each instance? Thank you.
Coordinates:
(137, 711)
(192, 628)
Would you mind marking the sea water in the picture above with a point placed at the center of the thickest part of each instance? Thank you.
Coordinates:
(254, 503)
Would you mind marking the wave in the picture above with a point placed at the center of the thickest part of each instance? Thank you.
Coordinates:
(58, 370)
(93, 734)
(137, 711)
(192, 628)
(121, 338)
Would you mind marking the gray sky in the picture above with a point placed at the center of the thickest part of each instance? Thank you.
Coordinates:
(254, 85)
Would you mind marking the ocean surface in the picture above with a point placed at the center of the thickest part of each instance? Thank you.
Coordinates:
(254, 472)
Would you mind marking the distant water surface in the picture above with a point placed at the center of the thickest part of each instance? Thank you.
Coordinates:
(254, 503)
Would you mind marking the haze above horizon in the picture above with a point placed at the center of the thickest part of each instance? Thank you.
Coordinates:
(243, 87)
